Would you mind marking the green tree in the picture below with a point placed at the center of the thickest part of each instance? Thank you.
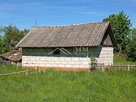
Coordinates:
(120, 24)
(3, 46)
(134, 32)
(131, 50)
(9, 36)
(12, 35)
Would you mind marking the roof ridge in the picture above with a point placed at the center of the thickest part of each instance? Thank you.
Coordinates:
(73, 24)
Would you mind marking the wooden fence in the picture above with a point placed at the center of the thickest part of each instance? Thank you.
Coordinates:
(24, 71)
(128, 66)
(110, 67)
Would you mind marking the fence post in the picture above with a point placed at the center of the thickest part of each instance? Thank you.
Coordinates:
(103, 67)
(128, 67)
(26, 73)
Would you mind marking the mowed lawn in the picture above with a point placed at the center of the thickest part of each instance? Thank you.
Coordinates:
(55, 86)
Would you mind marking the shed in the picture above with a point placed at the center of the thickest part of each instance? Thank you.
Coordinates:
(12, 57)
(1, 61)
(68, 47)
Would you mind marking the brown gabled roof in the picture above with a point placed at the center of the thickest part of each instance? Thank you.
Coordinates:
(90, 34)
(14, 55)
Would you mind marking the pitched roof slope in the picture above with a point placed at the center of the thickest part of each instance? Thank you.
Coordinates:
(90, 34)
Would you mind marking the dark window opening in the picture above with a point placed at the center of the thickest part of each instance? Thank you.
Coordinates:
(56, 52)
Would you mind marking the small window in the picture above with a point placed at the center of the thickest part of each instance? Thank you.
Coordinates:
(56, 52)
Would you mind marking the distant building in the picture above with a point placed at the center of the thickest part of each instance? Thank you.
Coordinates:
(2, 61)
(68, 47)
(11, 57)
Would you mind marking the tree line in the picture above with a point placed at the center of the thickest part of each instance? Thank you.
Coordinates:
(121, 26)
(9, 36)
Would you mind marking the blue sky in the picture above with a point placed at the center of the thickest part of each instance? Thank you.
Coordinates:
(24, 13)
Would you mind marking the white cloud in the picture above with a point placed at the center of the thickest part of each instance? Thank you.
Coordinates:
(95, 13)
(6, 7)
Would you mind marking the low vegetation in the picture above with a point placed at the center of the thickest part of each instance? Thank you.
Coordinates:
(54, 86)
(122, 60)
(10, 69)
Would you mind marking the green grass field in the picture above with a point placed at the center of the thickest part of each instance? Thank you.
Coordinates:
(54, 86)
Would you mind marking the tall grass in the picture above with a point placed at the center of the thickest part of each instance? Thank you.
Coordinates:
(54, 86)
(10, 68)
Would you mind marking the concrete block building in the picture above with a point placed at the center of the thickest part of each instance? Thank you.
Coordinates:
(68, 47)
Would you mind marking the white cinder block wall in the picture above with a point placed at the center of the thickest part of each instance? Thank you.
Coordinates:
(106, 56)
(40, 58)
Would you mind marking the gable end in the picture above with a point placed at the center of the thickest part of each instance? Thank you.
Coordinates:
(108, 38)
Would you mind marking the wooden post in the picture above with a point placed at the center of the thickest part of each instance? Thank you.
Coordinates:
(128, 67)
(102, 67)
(26, 73)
